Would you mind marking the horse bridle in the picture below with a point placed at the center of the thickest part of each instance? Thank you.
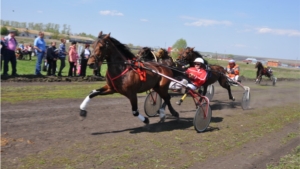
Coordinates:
(96, 57)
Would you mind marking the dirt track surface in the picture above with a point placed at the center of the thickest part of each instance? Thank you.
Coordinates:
(33, 127)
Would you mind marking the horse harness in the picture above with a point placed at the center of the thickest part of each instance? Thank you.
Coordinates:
(136, 66)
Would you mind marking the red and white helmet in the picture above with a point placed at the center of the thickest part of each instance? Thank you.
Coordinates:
(199, 60)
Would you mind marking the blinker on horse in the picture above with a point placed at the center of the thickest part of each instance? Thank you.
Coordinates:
(123, 76)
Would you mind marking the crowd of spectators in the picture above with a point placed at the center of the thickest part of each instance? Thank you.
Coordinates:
(46, 57)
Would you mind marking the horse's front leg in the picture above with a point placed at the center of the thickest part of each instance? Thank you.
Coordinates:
(102, 91)
(135, 111)
(258, 79)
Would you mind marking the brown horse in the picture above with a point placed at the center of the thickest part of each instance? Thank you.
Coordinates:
(262, 71)
(214, 72)
(162, 56)
(127, 76)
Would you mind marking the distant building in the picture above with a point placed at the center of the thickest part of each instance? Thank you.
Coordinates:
(250, 60)
(273, 63)
(47, 35)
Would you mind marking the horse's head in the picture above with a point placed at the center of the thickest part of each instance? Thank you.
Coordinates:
(188, 54)
(162, 53)
(145, 54)
(258, 65)
(100, 50)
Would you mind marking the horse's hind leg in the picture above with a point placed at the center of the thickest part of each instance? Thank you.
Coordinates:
(134, 108)
(167, 102)
(223, 82)
(229, 93)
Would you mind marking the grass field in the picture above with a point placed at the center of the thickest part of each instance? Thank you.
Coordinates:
(26, 67)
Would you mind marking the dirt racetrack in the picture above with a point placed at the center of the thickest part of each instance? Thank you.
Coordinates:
(34, 132)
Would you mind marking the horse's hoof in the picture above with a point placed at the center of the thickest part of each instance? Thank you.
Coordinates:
(146, 121)
(233, 99)
(162, 119)
(83, 113)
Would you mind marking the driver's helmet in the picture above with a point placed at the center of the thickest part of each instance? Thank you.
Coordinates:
(199, 60)
(231, 63)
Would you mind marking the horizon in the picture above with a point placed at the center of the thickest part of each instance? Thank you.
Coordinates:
(268, 29)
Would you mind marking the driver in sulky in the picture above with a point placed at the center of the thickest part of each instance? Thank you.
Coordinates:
(233, 70)
(197, 74)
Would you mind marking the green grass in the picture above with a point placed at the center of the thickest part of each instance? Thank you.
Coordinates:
(11, 94)
(290, 161)
(26, 67)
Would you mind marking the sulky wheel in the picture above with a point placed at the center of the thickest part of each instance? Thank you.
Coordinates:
(152, 104)
(200, 121)
(246, 100)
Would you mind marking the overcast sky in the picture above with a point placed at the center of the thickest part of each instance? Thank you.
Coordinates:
(262, 28)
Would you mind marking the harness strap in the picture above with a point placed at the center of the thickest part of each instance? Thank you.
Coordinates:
(112, 79)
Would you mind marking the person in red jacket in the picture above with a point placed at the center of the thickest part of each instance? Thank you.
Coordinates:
(197, 74)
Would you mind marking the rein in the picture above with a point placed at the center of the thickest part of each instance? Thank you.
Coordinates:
(154, 56)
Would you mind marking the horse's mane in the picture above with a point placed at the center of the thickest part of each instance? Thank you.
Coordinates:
(122, 48)
(198, 54)
(146, 48)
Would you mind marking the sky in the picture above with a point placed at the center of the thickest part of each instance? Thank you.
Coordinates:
(260, 28)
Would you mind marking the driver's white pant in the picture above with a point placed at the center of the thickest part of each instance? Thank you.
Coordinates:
(235, 78)
(191, 86)
(175, 85)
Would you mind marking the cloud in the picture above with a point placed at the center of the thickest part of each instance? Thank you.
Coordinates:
(144, 20)
(39, 11)
(288, 32)
(188, 18)
(204, 22)
(112, 13)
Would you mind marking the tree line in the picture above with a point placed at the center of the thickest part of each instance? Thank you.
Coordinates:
(49, 27)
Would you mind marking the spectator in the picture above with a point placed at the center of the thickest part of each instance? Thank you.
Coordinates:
(29, 50)
(52, 55)
(9, 46)
(62, 55)
(73, 57)
(21, 46)
(40, 48)
(2, 52)
(85, 54)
